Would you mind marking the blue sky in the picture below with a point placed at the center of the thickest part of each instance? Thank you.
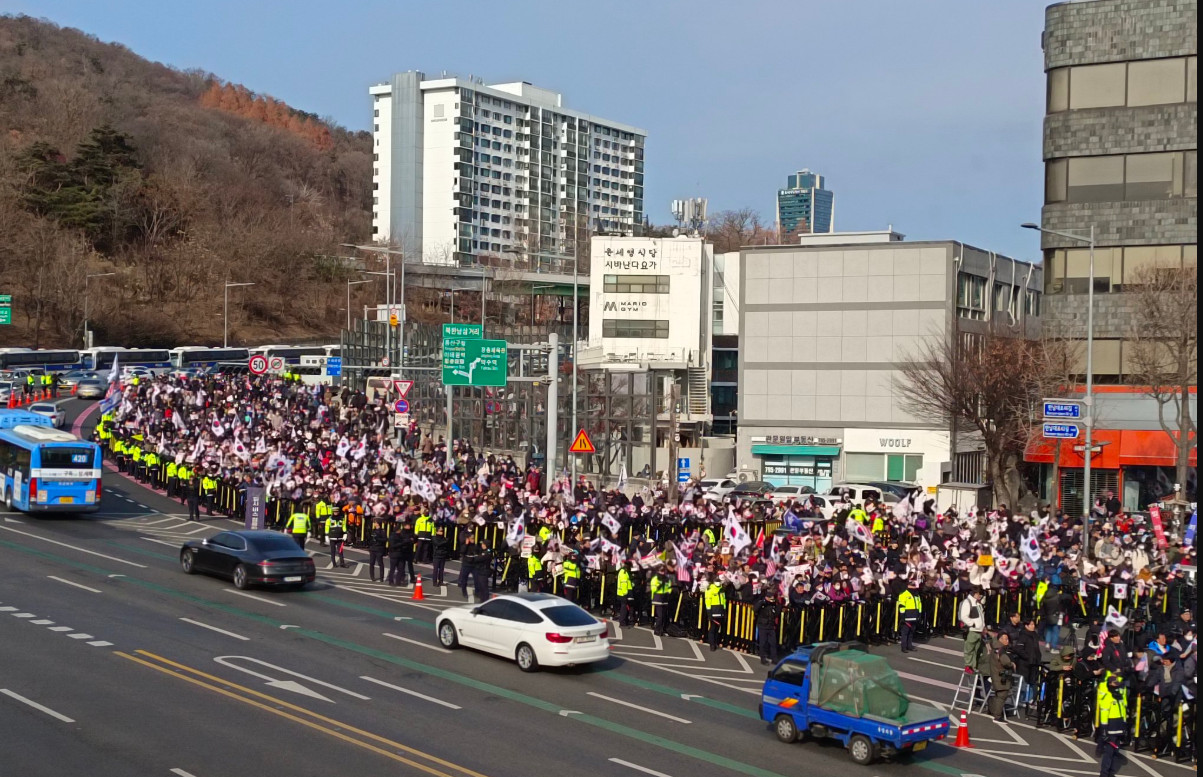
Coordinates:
(925, 115)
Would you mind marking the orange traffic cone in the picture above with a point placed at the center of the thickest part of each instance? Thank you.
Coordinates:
(962, 739)
(418, 595)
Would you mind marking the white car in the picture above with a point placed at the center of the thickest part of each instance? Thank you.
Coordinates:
(51, 411)
(532, 629)
(143, 373)
(782, 494)
(715, 489)
(859, 493)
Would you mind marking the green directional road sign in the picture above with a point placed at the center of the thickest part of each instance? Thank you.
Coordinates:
(463, 332)
(475, 362)
(6, 309)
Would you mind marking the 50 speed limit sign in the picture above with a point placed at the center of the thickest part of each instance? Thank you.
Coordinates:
(258, 364)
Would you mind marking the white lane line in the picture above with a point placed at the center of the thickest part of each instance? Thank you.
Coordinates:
(163, 520)
(162, 542)
(181, 773)
(947, 651)
(24, 615)
(927, 681)
(256, 598)
(214, 628)
(62, 628)
(80, 635)
(934, 663)
(197, 530)
(648, 710)
(144, 507)
(435, 648)
(131, 501)
(430, 699)
(73, 547)
(36, 706)
(42, 622)
(100, 643)
(637, 767)
(6, 608)
(74, 584)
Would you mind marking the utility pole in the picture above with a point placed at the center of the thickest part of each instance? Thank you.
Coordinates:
(674, 397)
(553, 410)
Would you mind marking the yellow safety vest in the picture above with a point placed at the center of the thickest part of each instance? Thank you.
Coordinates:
(716, 597)
(624, 582)
(298, 523)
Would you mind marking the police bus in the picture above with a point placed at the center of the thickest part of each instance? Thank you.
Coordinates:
(43, 469)
(48, 361)
(197, 356)
(291, 354)
(99, 359)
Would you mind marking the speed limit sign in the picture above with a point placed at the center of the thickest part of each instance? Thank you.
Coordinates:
(258, 364)
(276, 364)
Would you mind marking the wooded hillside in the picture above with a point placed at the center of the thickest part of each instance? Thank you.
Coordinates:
(177, 182)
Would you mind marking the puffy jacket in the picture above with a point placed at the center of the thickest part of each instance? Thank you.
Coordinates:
(440, 547)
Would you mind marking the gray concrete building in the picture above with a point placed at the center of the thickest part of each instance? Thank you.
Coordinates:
(823, 329)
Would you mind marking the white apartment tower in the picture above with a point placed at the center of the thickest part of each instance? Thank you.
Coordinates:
(462, 170)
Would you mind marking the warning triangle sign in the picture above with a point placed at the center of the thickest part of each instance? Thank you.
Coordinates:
(582, 444)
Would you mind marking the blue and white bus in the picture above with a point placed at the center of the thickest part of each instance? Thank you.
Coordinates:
(100, 359)
(291, 354)
(43, 469)
(48, 361)
(197, 356)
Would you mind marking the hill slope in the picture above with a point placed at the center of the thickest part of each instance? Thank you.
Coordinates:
(176, 182)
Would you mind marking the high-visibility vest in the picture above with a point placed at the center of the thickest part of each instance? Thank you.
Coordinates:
(151, 459)
(572, 570)
(661, 584)
(29, 381)
(335, 528)
(424, 526)
(544, 533)
(533, 565)
(137, 453)
(298, 523)
(910, 606)
(182, 472)
(1041, 590)
(1113, 712)
(173, 469)
(208, 485)
(859, 515)
(322, 510)
(624, 582)
(716, 597)
(709, 536)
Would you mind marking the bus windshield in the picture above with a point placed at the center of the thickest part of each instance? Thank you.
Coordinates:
(66, 458)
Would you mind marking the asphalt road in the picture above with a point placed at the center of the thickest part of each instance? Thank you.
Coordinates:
(117, 663)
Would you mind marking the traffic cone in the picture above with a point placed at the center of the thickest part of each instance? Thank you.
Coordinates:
(962, 739)
(418, 595)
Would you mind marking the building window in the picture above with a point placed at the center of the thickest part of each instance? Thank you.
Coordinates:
(971, 296)
(1095, 179)
(625, 327)
(1156, 82)
(1115, 269)
(1142, 82)
(635, 284)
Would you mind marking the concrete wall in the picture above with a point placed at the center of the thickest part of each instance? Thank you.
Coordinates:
(1079, 33)
(438, 165)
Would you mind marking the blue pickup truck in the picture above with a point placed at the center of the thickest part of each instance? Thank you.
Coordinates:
(842, 692)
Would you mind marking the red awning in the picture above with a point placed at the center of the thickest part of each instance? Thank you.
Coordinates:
(1127, 448)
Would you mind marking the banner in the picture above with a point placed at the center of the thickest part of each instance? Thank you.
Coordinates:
(1190, 530)
(255, 515)
(1158, 527)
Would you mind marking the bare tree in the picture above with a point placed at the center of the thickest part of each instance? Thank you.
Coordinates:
(1165, 352)
(989, 383)
(728, 230)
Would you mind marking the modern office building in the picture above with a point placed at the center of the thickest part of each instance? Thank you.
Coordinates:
(1120, 154)
(724, 373)
(464, 170)
(822, 331)
(805, 205)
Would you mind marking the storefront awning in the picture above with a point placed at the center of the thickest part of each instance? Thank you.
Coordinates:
(796, 450)
(1120, 448)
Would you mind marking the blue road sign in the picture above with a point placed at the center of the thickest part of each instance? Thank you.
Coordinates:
(401, 406)
(334, 366)
(683, 464)
(682, 476)
(1062, 410)
(1060, 431)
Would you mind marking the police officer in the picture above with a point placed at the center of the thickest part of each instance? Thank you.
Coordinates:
(572, 575)
(208, 490)
(171, 472)
(626, 591)
(424, 529)
(336, 532)
(377, 549)
(192, 494)
(661, 590)
(716, 610)
(401, 554)
(440, 551)
(534, 570)
(910, 609)
(1113, 716)
(298, 525)
(322, 512)
(768, 616)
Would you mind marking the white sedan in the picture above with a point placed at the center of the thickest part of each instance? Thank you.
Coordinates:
(532, 629)
(51, 410)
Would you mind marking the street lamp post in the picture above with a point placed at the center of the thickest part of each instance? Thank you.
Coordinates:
(1088, 498)
(349, 285)
(390, 296)
(225, 313)
(87, 339)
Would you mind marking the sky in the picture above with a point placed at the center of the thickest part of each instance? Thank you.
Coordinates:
(924, 115)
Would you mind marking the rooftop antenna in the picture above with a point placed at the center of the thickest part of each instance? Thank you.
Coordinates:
(690, 213)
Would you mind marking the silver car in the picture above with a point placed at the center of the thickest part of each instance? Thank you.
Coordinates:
(51, 411)
(91, 388)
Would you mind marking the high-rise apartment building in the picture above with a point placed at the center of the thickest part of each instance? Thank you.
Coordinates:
(463, 170)
(805, 206)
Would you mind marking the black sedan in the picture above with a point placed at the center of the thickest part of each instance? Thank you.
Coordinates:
(249, 558)
(750, 490)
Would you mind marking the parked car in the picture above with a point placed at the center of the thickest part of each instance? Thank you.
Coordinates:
(69, 380)
(859, 493)
(715, 489)
(899, 488)
(751, 489)
(51, 411)
(8, 388)
(531, 629)
(783, 494)
(91, 388)
(249, 558)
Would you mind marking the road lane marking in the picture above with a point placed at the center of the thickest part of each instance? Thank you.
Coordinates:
(73, 547)
(42, 622)
(276, 704)
(633, 706)
(77, 585)
(24, 615)
(181, 773)
(100, 643)
(214, 628)
(256, 598)
(80, 635)
(161, 520)
(162, 542)
(426, 645)
(637, 767)
(946, 651)
(6, 608)
(430, 699)
(927, 680)
(227, 661)
(934, 663)
(36, 706)
(62, 628)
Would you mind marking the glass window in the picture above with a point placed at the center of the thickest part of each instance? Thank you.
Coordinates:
(1097, 86)
(1054, 180)
(1151, 176)
(864, 467)
(1095, 179)
(1058, 90)
(1139, 260)
(569, 615)
(1156, 81)
(1190, 182)
(636, 284)
(790, 672)
(614, 327)
(1192, 79)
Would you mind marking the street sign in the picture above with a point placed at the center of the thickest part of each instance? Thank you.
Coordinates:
(334, 366)
(257, 364)
(683, 463)
(276, 364)
(463, 332)
(400, 420)
(682, 476)
(1055, 431)
(401, 406)
(402, 388)
(582, 444)
(6, 309)
(1060, 408)
(474, 362)
(383, 361)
